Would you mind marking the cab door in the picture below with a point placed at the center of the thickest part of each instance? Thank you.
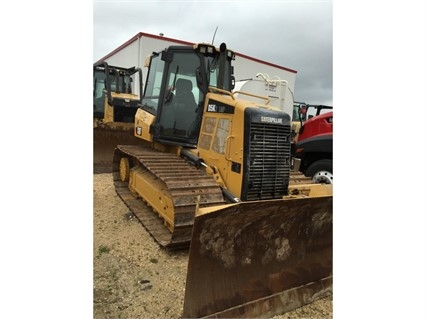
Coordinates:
(180, 108)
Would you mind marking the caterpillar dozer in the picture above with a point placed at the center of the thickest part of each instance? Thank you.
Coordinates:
(117, 93)
(213, 172)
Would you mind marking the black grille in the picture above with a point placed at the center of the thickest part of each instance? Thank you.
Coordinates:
(125, 113)
(268, 166)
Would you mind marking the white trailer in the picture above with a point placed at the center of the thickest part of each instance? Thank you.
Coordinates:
(138, 48)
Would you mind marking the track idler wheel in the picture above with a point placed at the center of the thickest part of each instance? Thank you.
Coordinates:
(124, 169)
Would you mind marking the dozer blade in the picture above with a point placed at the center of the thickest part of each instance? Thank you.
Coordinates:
(256, 259)
(105, 139)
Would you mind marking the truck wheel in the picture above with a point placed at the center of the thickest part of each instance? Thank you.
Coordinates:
(321, 171)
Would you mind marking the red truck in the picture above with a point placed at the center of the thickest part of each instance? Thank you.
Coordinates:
(314, 145)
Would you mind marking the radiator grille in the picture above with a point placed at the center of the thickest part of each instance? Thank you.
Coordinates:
(269, 161)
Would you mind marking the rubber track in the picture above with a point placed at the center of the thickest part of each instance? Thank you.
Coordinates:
(184, 181)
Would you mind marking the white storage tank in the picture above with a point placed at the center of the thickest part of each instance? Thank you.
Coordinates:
(276, 90)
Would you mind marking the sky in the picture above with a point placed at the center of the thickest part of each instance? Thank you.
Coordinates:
(294, 34)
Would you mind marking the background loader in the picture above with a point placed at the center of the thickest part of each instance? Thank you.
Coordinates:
(212, 171)
(117, 92)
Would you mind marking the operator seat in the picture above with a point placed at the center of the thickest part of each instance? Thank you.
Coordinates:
(185, 105)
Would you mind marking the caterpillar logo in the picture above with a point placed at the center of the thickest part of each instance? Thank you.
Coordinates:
(269, 119)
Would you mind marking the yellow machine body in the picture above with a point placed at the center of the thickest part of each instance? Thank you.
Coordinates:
(260, 236)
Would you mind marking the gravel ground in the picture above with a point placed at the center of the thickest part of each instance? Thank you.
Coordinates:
(133, 277)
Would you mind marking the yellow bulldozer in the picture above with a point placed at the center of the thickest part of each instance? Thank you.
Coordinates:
(117, 93)
(213, 172)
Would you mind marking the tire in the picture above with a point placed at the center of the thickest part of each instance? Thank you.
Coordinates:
(321, 171)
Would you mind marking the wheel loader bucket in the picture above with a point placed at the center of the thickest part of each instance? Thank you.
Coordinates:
(105, 139)
(263, 258)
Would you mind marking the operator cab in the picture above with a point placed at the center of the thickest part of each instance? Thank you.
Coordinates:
(115, 83)
(177, 82)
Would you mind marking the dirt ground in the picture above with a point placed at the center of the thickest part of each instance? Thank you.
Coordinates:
(133, 277)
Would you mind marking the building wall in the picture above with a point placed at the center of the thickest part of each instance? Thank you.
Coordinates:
(127, 57)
